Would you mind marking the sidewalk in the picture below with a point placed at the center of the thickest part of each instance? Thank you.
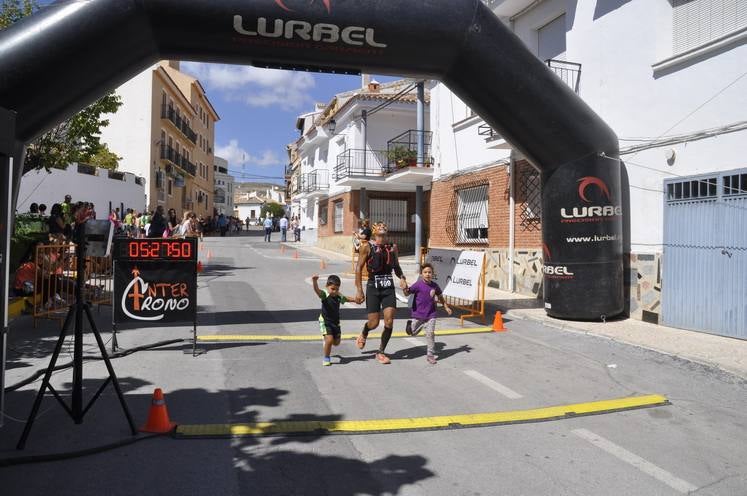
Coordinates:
(727, 354)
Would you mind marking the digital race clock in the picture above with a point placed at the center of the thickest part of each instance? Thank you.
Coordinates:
(156, 249)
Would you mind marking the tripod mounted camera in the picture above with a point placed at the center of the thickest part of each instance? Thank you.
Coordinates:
(79, 310)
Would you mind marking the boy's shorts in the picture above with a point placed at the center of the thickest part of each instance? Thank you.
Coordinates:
(330, 328)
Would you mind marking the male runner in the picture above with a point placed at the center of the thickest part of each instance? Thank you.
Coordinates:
(380, 259)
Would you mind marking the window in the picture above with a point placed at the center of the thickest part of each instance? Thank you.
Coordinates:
(697, 22)
(163, 137)
(530, 198)
(338, 217)
(323, 155)
(735, 184)
(693, 189)
(472, 215)
(551, 40)
(392, 212)
(323, 214)
(170, 189)
(164, 98)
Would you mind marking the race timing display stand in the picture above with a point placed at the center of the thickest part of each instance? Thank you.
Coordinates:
(155, 282)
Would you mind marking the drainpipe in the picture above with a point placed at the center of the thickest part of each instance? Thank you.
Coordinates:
(511, 220)
(421, 160)
(364, 130)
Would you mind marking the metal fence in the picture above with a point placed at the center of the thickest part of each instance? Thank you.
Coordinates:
(353, 162)
(55, 280)
(569, 72)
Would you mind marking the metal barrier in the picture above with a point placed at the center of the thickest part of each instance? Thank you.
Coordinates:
(472, 309)
(54, 283)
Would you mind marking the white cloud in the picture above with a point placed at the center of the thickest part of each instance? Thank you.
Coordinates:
(239, 157)
(254, 86)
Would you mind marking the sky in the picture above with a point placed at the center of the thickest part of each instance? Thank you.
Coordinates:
(258, 110)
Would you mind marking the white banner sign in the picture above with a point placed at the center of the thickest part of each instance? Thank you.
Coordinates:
(457, 272)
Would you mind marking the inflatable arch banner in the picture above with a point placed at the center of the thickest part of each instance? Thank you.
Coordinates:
(64, 57)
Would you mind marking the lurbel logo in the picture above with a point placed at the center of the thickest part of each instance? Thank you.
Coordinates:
(558, 271)
(594, 213)
(436, 258)
(321, 32)
(471, 262)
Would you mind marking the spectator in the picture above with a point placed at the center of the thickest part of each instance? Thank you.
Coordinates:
(222, 225)
(284, 229)
(248, 223)
(173, 221)
(268, 229)
(42, 210)
(34, 209)
(67, 210)
(158, 225)
(56, 224)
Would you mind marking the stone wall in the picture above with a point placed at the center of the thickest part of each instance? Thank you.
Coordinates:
(645, 286)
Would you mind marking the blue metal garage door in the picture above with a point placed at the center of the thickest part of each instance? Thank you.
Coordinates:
(705, 253)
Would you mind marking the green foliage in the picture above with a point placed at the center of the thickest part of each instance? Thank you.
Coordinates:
(273, 210)
(29, 230)
(105, 158)
(14, 10)
(78, 139)
(402, 156)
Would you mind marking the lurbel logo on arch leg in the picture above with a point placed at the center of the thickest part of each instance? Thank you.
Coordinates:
(554, 271)
(591, 213)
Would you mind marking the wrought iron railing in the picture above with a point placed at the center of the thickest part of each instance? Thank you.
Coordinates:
(488, 132)
(402, 151)
(361, 163)
(315, 181)
(168, 153)
(569, 72)
(181, 124)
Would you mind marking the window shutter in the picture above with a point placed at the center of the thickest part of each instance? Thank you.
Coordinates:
(697, 22)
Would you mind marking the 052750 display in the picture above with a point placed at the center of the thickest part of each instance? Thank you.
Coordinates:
(156, 249)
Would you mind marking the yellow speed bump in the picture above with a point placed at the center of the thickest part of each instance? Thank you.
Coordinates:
(323, 427)
(237, 338)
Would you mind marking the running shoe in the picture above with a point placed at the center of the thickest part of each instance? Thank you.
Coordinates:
(361, 342)
(327, 361)
(383, 359)
(431, 359)
(408, 328)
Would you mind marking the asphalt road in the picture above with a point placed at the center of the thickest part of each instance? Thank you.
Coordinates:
(696, 445)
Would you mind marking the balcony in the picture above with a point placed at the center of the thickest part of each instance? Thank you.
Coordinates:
(569, 72)
(170, 155)
(402, 151)
(169, 114)
(370, 169)
(314, 183)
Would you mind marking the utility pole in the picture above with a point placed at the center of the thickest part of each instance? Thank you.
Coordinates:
(420, 162)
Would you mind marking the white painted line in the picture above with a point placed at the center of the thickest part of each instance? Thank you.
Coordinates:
(641, 464)
(415, 341)
(495, 386)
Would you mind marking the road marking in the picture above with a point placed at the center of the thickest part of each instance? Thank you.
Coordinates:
(316, 337)
(323, 427)
(494, 385)
(641, 464)
(414, 341)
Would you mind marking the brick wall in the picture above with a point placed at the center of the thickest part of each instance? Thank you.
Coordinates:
(444, 207)
(350, 208)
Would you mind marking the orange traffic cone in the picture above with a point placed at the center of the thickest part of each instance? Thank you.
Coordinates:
(498, 323)
(199, 267)
(158, 416)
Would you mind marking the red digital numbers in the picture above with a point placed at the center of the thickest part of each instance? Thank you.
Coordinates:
(159, 249)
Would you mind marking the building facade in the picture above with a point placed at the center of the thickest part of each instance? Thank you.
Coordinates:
(357, 159)
(165, 132)
(675, 94)
(223, 188)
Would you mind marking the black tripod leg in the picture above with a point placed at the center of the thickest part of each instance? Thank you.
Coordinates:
(112, 375)
(45, 381)
(115, 345)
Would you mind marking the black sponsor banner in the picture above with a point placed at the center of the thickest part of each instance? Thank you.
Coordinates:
(582, 227)
(154, 292)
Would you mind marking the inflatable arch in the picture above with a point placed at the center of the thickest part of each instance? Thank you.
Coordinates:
(64, 57)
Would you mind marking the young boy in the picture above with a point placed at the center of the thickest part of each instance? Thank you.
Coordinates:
(329, 319)
(425, 293)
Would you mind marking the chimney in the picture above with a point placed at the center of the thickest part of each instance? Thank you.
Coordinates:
(374, 86)
(365, 80)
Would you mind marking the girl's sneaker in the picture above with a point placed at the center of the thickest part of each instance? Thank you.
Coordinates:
(408, 328)
(431, 359)
(327, 361)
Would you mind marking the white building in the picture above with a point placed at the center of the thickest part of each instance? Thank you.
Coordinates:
(265, 191)
(223, 197)
(668, 77)
(357, 160)
(104, 188)
(250, 209)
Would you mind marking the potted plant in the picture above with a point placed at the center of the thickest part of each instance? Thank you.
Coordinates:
(401, 156)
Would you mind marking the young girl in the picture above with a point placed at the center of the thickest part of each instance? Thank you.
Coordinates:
(425, 293)
(362, 235)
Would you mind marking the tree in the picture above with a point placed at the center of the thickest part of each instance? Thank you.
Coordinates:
(77, 139)
(105, 158)
(273, 210)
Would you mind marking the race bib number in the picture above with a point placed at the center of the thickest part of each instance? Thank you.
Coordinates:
(383, 282)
